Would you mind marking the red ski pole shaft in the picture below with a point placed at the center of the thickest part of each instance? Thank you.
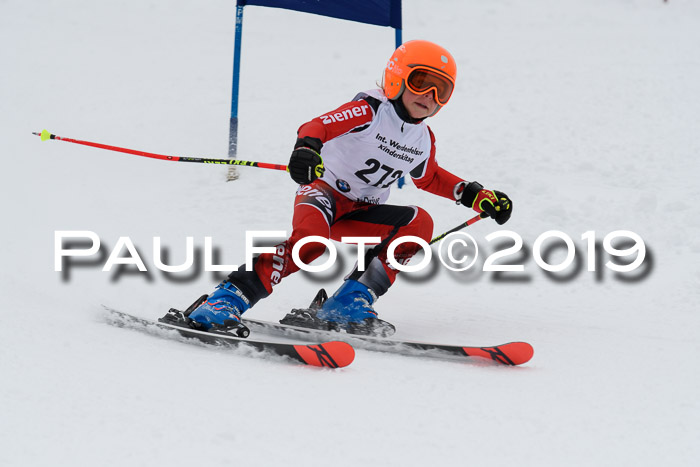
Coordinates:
(471, 221)
(45, 135)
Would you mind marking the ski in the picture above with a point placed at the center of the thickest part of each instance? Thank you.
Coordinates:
(302, 323)
(512, 353)
(331, 354)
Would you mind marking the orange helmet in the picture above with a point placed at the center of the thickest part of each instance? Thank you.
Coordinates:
(420, 66)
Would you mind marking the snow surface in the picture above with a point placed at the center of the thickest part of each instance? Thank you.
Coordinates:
(585, 113)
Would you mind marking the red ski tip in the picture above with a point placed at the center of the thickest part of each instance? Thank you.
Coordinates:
(329, 354)
(513, 353)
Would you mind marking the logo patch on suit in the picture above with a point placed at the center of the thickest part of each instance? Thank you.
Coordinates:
(342, 185)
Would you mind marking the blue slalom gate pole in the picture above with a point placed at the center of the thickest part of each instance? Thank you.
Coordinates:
(233, 122)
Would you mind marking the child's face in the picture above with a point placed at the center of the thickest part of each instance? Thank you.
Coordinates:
(419, 105)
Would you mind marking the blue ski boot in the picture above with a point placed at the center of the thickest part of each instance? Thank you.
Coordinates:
(351, 303)
(222, 310)
(350, 308)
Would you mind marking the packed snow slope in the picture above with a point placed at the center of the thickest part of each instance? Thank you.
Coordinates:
(585, 112)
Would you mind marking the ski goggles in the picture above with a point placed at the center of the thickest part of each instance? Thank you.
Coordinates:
(422, 80)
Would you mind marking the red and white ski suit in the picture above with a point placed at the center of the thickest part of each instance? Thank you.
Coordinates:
(367, 147)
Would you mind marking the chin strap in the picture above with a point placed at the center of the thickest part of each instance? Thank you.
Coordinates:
(402, 112)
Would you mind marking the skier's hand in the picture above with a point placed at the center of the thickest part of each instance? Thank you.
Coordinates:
(306, 164)
(494, 203)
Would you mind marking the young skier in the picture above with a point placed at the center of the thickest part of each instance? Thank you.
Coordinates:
(345, 162)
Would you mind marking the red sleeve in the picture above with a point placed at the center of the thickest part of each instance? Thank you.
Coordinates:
(432, 178)
(342, 120)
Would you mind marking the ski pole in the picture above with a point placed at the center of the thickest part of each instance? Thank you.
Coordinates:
(45, 135)
(471, 221)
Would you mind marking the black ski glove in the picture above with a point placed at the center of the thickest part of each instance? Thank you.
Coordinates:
(494, 203)
(306, 164)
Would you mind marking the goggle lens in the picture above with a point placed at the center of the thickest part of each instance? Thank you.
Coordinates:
(420, 81)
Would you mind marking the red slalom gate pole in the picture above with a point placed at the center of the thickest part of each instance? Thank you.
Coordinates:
(46, 135)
